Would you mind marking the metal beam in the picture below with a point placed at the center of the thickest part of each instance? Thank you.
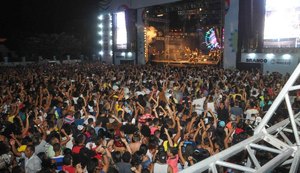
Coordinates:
(278, 99)
(265, 148)
(285, 149)
(276, 142)
(286, 139)
(213, 168)
(223, 155)
(292, 119)
(293, 88)
(276, 161)
(295, 163)
(234, 166)
(253, 158)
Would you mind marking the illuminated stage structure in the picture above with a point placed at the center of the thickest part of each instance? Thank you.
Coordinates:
(184, 33)
(281, 141)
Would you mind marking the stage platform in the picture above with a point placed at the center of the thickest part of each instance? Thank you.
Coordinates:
(184, 62)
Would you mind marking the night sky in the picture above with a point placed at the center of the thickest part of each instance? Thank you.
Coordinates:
(30, 17)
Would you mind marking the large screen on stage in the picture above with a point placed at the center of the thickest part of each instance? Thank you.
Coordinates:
(282, 24)
(120, 30)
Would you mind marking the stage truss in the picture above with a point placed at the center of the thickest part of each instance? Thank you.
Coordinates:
(275, 140)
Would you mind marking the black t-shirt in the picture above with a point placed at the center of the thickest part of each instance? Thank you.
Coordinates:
(223, 115)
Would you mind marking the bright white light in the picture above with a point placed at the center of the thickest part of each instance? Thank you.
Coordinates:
(100, 33)
(100, 25)
(110, 33)
(282, 23)
(110, 18)
(100, 42)
(111, 53)
(110, 25)
(101, 53)
(129, 54)
(252, 55)
(270, 55)
(123, 54)
(110, 42)
(121, 31)
(160, 15)
(286, 56)
(100, 17)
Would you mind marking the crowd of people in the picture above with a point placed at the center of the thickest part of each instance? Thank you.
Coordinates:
(94, 117)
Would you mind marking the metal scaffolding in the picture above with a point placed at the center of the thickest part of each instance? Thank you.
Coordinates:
(281, 140)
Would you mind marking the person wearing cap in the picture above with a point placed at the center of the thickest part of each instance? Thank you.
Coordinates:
(160, 165)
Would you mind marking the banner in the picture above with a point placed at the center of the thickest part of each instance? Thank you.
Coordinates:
(282, 63)
(231, 33)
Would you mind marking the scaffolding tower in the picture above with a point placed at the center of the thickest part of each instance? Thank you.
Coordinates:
(280, 140)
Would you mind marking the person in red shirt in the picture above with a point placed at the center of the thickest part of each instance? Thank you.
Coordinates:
(80, 141)
(143, 119)
(67, 167)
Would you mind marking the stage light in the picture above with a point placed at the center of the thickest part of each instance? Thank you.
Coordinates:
(129, 54)
(100, 42)
(286, 56)
(252, 55)
(100, 17)
(123, 54)
(100, 25)
(100, 33)
(270, 55)
(111, 53)
(110, 33)
(160, 15)
(101, 53)
(110, 42)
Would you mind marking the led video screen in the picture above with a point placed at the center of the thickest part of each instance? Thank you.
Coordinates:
(282, 24)
(120, 30)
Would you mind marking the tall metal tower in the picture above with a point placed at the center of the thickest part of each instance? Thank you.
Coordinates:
(281, 141)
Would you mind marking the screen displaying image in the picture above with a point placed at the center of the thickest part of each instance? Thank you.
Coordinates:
(282, 24)
(120, 30)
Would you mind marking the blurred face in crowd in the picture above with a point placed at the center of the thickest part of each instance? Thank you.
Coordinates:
(28, 152)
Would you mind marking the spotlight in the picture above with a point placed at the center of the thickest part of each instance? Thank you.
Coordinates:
(100, 42)
(100, 17)
(252, 55)
(100, 25)
(111, 53)
(100, 33)
(123, 54)
(101, 53)
(270, 55)
(286, 56)
(110, 42)
(129, 54)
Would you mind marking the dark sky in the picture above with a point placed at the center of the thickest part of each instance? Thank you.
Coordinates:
(47, 16)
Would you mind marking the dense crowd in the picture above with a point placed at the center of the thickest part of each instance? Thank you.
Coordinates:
(102, 118)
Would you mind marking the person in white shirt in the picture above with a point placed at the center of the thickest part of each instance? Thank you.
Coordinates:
(32, 161)
(251, 111)
(199, 104)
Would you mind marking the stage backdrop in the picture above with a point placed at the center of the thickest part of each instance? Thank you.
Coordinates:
(111, 6)
(282, 63)
(231, 33)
